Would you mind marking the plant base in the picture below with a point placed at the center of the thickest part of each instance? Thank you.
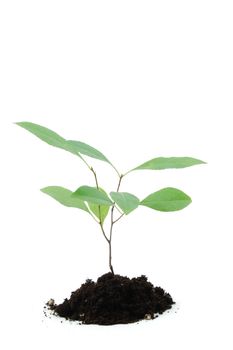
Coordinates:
(114, 299)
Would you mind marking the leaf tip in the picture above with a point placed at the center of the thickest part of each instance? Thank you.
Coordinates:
(22, 124)
(201, 161)
(45, 189)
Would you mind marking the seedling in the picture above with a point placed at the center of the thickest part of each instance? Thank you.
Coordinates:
(95, 201)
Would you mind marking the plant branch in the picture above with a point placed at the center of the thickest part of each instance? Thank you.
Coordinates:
(102, 229)
(99, 222)
(84, 160)
(118, 210)
(93, 217)
(128, 172)
(113, 166)
(97, 186)
(96, 180)
(118, 218)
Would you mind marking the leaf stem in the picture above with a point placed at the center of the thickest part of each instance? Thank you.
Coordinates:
(99, 222)
(118, 218)
(97, 186)
(96, 180)
(93, 216)
(84, 160)
(129, 171)
(113, 166)
(102, 229)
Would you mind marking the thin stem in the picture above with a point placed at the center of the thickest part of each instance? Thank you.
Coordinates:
(113, 166)
(84, 161)
(94, 217)
(111, 227)
(99, 222)
(128, 172)
(102, 229)
(118, 173)
(119, 183)
(109, 240)
(96, 180)
(118, 218)
(97, 186)
(118, 210)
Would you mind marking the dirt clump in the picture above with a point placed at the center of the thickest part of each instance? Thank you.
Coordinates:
(114, 299)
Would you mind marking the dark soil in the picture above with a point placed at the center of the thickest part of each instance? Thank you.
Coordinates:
(114, 299)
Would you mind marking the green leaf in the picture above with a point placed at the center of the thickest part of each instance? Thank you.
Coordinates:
(100, 211)
(167, 199)
(92, 195)
(46, 135)
(169, 163)
(87, 150)
(127, 202)
(64, 196)
(53, 139)
(75, 147)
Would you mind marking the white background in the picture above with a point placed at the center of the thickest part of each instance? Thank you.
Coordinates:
(136, 79)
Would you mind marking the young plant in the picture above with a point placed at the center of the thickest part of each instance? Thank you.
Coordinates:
(95, 201)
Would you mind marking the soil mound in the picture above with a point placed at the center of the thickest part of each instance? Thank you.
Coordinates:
(114, 299)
